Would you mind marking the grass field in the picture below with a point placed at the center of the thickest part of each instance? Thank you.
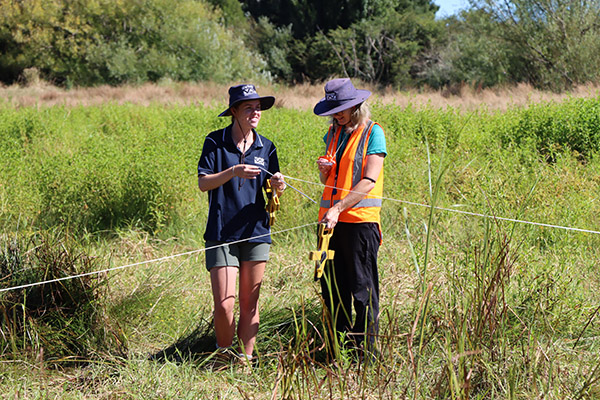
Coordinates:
(472, 307)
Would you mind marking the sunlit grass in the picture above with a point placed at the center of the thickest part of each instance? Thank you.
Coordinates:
(495, 309)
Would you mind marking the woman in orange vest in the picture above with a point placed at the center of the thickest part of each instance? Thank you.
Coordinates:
(352, 170)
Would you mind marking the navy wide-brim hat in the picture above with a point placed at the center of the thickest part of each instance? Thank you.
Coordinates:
(246, 92)
(340, 94)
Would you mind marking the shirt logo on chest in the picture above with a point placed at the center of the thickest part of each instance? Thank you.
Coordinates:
(259, 161)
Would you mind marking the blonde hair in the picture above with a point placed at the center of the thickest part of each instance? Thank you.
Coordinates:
(359, 116)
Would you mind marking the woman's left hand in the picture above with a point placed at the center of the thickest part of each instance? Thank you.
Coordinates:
(278, 182)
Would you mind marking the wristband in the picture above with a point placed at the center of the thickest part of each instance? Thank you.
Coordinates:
(369, 179)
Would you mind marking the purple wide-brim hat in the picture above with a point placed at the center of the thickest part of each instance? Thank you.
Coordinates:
(340, 94)
(246, 92)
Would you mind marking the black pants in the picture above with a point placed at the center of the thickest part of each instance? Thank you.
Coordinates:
(354, 280)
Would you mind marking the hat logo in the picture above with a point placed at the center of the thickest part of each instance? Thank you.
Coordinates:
(331, 96)
(248, 90)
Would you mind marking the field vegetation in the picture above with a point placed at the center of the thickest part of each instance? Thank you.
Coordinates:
(491, 219)
(472, 306)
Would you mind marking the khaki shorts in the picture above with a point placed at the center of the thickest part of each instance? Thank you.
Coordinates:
(222, 254)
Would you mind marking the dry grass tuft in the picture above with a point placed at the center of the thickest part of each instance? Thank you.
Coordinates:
(300, 97)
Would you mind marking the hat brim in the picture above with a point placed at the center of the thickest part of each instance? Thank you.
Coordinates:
(327, 107)
(266, 102)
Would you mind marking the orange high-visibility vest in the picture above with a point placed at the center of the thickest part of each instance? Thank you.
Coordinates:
(347, 173)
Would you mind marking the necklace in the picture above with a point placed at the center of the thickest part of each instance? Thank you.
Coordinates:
(243, 149)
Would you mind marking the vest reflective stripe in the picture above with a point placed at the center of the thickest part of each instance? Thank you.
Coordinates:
(349, 171)
(362, 203)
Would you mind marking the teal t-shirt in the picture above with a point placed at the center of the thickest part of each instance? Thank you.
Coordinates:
(376, 143)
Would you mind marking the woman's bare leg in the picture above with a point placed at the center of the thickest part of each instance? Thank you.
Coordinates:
(222, 281)
(251, 276)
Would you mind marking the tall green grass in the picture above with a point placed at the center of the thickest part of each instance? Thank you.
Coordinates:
(471, 307)
(105, 167)
(58, 321)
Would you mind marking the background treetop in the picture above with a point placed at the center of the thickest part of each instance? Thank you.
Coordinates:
(549, 44)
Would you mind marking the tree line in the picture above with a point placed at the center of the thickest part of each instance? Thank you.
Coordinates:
(550, 44)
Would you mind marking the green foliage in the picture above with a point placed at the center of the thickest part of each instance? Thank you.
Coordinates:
(375, 41)
(113, 166)
(311, 16)
(112, 172)
(471, 52)
(549, 44)
(498, 309)
(113, 41)
(233, 15)
(552, 45)
(574, 125)
(57, 320)
(308, 16)
(277, 46)
(560, 41)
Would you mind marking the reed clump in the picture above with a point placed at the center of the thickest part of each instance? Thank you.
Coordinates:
(63, 320)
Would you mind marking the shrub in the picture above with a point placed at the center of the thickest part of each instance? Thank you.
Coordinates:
(92, 42)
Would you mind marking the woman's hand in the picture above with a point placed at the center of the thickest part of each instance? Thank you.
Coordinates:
(330, 219)
(246, 171)
(324, 166)
(278, 182)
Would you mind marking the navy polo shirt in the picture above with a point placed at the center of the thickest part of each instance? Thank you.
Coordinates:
(237, 208)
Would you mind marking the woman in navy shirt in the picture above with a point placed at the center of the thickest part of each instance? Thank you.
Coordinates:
(233, 170)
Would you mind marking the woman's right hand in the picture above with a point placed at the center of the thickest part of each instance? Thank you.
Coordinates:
(324, 166)
(246, 171)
